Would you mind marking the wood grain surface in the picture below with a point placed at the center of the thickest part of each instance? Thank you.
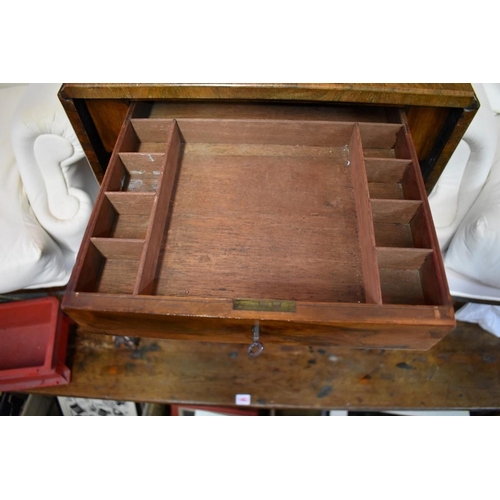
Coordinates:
(445, 146)
(159, 213)
(87, 135)
(461, 372)
(423, 136)
(268, 111)
(108, 116)
(262, 225)
(416, 94)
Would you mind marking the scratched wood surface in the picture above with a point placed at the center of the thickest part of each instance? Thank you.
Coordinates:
(461, 371)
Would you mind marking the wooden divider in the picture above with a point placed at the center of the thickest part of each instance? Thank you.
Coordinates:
(132, 203)
(371, 277)
(402, 258)
(126, 249)
(149, 258)
(385, 170)
(394, 211)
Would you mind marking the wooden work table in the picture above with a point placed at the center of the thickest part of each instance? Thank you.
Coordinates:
(461, 372)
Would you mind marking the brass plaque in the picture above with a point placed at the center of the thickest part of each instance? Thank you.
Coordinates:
(264, 305)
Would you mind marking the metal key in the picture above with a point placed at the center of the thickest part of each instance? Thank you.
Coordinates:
(256, 347)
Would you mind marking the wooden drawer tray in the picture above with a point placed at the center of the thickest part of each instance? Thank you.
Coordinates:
(317, 229)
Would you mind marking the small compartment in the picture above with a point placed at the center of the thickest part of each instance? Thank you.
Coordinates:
(145, 136)
(393, 235)
(380, 140)
(401, 286)
(391, 179)
(110, 266)
(150, 135)
(117, 276)
(400, 224)
(408, 276)
(136, 172)
(124, 215)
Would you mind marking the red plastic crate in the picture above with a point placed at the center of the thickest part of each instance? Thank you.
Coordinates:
(33, 341)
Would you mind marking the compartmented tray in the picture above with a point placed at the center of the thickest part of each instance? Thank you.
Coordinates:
(319, 230)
